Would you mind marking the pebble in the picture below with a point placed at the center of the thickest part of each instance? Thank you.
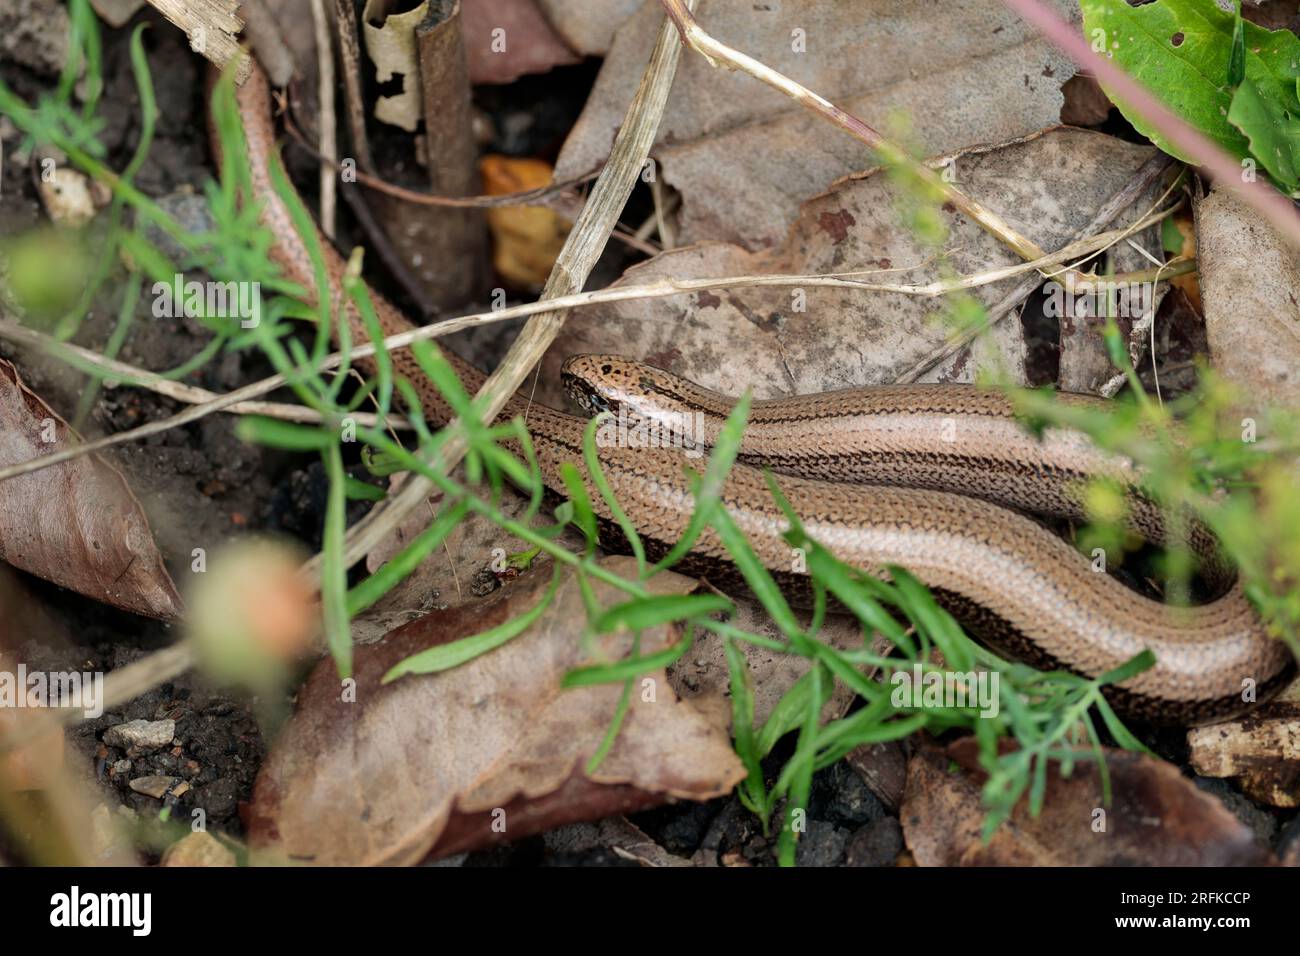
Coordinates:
(153, 786)
(199, 848)
(876, 844)
(141, 735)
(822, 845)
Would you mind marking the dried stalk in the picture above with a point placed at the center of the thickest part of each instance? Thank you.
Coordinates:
(328, 123)
(345, 25)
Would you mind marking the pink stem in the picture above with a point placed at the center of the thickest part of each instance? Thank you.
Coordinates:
(1226, 170)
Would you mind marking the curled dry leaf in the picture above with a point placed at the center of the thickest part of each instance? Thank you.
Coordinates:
(782, 341)
(1157, 817)
(1261, 749)
(429, 763)
(75, 523)
(1250, 286)
(507, 39)
(744, 156)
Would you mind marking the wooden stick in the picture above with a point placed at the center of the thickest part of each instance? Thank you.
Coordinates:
(211, 26)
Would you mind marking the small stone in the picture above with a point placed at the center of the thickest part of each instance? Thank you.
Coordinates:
(153, 786)
(822, 845)
(876, 844)
(199, 848)
(850, 802)
(121, 766)
(141, 735)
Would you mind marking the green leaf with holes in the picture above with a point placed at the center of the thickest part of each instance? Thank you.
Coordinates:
(1188, 53)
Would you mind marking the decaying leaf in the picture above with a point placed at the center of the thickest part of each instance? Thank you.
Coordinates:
(387, 773)
(75, 523)
(744, 156)
(507, 39)
(1261, 749)
(1250, 285)
(782, 341)
(1157, 817)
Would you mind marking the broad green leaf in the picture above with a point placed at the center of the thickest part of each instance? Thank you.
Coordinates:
(1182, 51)
(1273, 132)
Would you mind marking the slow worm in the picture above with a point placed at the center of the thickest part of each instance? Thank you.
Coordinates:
(1009, 580)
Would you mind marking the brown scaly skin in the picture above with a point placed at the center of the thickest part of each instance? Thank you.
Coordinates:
(1019, 586)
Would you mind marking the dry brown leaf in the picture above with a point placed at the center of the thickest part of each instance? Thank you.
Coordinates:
(1250, 285)
(1048, 186)
(507, 39)
(744, 156)
(1157, 817)
(431, 763)
(75, 523)
(1261, 749)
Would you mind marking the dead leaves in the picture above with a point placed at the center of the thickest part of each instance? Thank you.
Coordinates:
(442, 762)
(1157, 817)
(75, 523)
(744, 156)
(809, 339)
